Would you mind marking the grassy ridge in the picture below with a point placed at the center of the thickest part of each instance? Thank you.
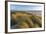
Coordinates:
(25, 19)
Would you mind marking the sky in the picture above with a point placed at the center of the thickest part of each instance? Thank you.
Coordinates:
(25, 7)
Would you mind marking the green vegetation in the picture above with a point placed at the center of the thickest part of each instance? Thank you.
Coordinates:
(26, 20)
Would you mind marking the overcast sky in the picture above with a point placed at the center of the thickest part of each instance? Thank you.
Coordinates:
(25, 7)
